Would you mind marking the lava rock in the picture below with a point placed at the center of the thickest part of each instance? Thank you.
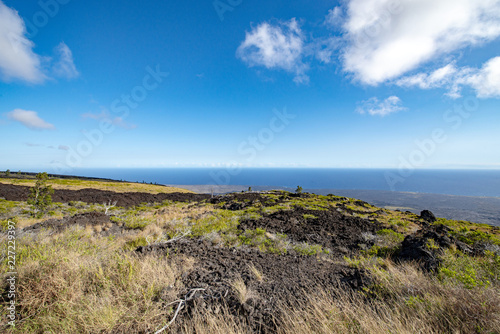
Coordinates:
(428, 216)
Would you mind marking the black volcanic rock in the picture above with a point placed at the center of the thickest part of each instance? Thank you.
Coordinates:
(428, 216)
(419, 247)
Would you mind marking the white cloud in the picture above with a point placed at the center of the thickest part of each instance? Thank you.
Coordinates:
(375, 107)
(104, 114)
(65, 66)
(485, 81)
(437, 78)
(32, 144)
(324, 49)
(278, 46)
(63, 147)
(388, 38)
(120, 122)
(447, 76)
(17, 59)
(334, 18)
(30, 119)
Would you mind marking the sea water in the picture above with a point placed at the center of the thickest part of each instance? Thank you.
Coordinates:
(451, 182)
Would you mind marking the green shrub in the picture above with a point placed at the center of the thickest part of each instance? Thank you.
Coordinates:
(390, 236)
(381, 251)
(133, 244)
(306, 249)
(470, 271)
(259, 238)
(137, 223)
(473, 237)
(220, 221)
(431, 244)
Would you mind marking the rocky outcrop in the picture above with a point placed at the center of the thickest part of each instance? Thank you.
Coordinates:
(428, 216)
(425, 246)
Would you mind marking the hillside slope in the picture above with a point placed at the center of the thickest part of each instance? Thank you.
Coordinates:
(261, 262)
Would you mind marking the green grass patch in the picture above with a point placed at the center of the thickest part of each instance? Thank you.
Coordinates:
(220, 221)
(464, 234)
(309, 250)
(390, 236)
(133, 244)
(262, 240)
(471, 272)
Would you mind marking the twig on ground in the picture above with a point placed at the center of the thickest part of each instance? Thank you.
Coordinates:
(159, 240)
(108, 206)
(178, 237)
(181, 302)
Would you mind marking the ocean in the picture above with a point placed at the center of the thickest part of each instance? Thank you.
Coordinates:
(450, 182)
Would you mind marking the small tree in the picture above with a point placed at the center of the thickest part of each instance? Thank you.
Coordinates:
(298, 190)
(249, 188)
(7, 172)
(40, 195)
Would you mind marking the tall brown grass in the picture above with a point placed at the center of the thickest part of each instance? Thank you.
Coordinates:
(78, 282)
(403, 300)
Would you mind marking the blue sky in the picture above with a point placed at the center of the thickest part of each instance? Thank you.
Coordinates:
(355, 83)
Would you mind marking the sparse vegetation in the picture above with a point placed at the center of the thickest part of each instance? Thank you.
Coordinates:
(256, 272)
(79, 280)
(241, 290)
(76, 184)
(40, 195)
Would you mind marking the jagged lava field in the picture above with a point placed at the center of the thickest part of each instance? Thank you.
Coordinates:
(119, 257)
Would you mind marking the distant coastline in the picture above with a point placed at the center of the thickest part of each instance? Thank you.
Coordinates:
(450, 182)
(477, 209)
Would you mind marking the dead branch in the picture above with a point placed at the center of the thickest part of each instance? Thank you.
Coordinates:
(181, 302)
(178, 237)
(108, 206)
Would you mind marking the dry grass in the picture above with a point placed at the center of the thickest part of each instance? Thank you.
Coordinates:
(213, 321)
(402, 300)
(161, 224)
(240, 288)
(256, 272)
(120, 187)
(176, 215)
(76, 283)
